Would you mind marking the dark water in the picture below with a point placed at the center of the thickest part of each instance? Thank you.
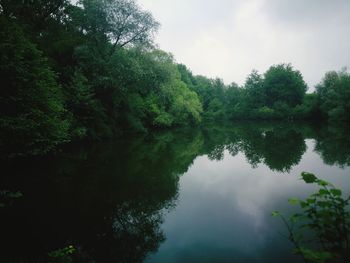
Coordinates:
(192, 195)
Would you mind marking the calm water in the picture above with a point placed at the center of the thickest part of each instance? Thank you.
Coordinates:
(195, 195)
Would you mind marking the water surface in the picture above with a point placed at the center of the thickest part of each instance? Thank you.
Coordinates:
(190, 195)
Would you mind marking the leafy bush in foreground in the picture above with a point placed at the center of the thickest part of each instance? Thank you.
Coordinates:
(324, 216)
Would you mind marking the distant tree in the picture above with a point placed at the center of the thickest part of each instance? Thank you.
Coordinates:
(334, 95)
(203, 88)
(235, 103)
(309, 109)
(186, 76)
(211, 93)
(254, 86)
(216, 107)
(284, 84)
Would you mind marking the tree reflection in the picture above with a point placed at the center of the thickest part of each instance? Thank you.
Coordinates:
(138, 231)
(215, 139)
(109, 199)
(283, 149)
(280, 148)
(333, 145)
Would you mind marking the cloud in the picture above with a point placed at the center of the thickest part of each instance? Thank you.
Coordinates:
(228, 39)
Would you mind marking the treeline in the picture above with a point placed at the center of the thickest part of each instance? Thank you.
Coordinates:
(91, 71)
(280, 93)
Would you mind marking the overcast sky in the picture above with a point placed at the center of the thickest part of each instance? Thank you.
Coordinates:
(229, 38)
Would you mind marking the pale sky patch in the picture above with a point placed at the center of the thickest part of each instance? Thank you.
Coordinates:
(229, 38)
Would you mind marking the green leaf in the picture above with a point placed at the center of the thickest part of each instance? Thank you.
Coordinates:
(310, 201)
(303, 204)
(295, 218)
(336, 192)
(294, 201)
(309, 178)
(275, 213)
(313, 255)
(323, 192)
(323, 183)
(17, 194)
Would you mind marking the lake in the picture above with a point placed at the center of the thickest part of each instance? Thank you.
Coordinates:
(189, 195)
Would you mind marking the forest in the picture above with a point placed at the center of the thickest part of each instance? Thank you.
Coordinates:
(91, 71)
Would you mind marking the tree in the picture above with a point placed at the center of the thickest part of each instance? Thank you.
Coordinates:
(234, 101)
(87, 116)
(31, 107)
(175, 103)
(122, 22)
(334, 95)
(254, 86)
(186, 76)
(283, 83)
(186, 107)
(33, 13)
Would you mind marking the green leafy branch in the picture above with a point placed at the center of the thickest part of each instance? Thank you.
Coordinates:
(326, 215)
(62, 255)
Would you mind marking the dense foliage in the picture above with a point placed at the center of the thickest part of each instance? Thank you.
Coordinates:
(334, 95)
(279, 94)
(86, 71)
(90, 71)
(32, 114)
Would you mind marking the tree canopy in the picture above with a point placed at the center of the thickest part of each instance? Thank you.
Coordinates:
(283, 84)
(334, 95)
(91, 71)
